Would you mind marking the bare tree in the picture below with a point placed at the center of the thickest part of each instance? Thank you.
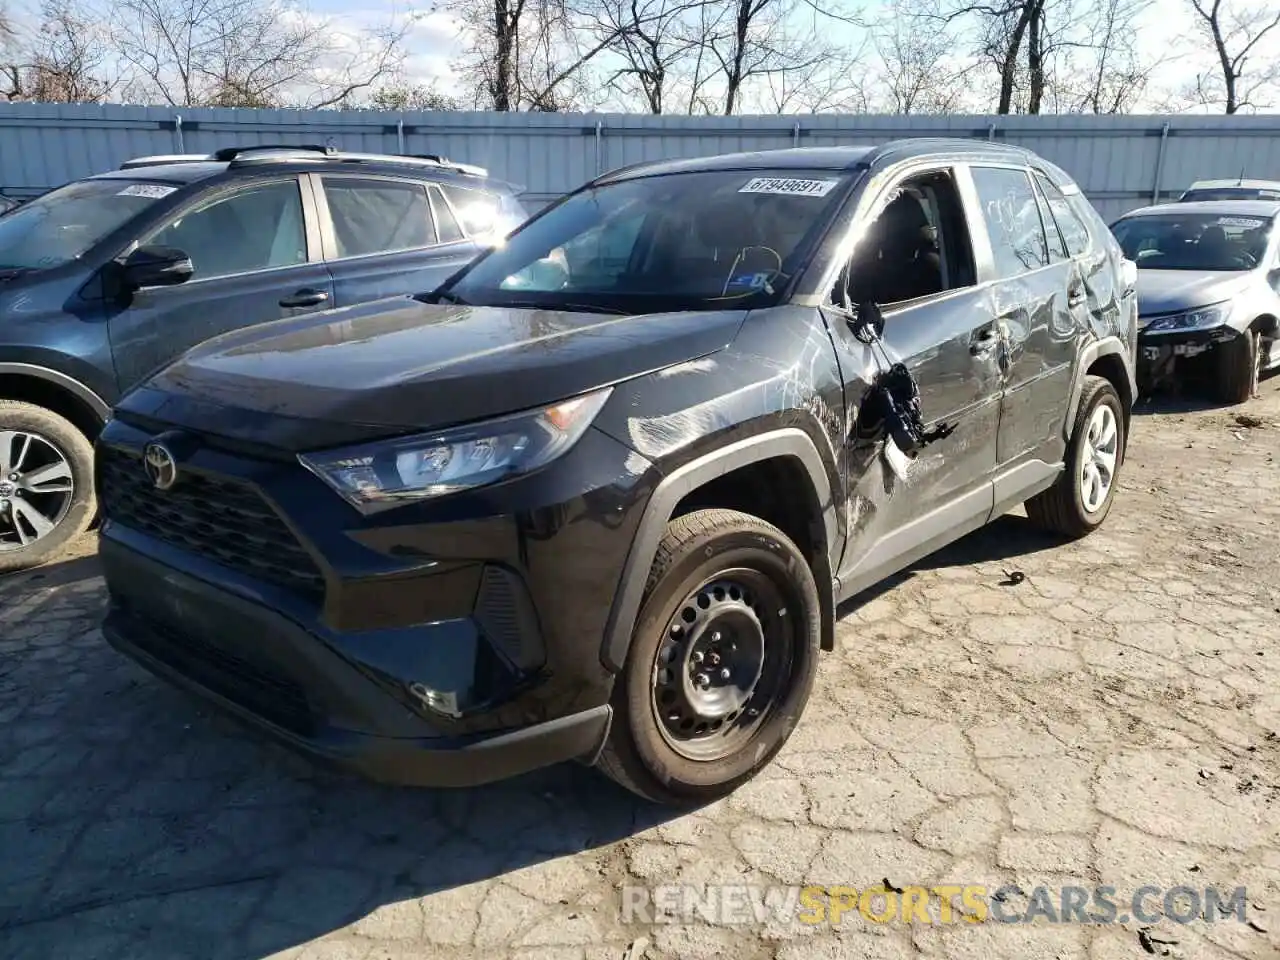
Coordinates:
(515, 52)
(773, 43)
(652, 42)
(249, 53)
(70, 56)
(10, 69)
(1236, 28)
(1046, 54)
(918, 67)
(1102, 70)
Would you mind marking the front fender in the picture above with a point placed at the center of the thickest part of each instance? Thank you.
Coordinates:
(785, 442)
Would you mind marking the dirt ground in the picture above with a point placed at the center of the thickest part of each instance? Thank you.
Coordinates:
(1112, 719)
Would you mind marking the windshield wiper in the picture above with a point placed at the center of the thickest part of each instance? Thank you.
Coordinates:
(568, 307)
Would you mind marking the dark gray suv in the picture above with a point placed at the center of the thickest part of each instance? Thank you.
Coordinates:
(598, 495)
(105, 279)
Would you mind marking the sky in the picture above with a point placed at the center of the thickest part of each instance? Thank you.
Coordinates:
(435, 40)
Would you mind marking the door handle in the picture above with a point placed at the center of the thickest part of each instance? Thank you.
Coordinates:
(304, 298)
(1075, 292)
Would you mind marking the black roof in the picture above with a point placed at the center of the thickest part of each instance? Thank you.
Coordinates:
(850, 157)
(1243, 208)
(167, 172)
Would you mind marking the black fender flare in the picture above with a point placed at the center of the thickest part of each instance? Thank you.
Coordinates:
(1089, 353)
(786, 442)
(101, 409)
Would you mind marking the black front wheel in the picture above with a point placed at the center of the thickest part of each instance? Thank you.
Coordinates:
(1239, 363)
(46, 484)
(721, 663)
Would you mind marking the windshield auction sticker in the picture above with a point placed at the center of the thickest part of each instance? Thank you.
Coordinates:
(155, 191)
(1249, 223)
(789, 187)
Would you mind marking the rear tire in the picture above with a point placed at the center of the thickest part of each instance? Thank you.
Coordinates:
(1075, 505)
(41, 513)
(1238, 362)
(721, 663)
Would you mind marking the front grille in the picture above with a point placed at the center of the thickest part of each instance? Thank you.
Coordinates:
(218, 519)
(253, 686)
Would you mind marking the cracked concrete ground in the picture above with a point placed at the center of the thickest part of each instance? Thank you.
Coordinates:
(1113, 719)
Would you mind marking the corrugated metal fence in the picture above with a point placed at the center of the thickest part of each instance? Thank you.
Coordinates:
(1121, 162)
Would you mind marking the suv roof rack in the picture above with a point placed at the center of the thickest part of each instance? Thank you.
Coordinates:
(275, 153)
(279, 153)
(228, 154)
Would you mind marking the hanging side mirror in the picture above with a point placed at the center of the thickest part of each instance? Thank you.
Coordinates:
(867, 322)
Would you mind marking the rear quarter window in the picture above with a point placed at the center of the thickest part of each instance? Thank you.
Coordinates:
(483, 213)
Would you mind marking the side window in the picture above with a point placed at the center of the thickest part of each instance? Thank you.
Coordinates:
(1056, 244)
(1074, 232)
(1012, 217)
(478, 211)
(447, 225)
(917, 246)
(377, 216)
(259, 228)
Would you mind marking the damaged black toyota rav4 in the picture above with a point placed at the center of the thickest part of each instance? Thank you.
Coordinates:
(597, 496)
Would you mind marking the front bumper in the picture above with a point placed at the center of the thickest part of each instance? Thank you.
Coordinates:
(446, 643)
(265, 670)
(1157, 351)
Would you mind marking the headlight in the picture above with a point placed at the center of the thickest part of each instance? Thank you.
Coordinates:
(1204, 318)
(378, 476)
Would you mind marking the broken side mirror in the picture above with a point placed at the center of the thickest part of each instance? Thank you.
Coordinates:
(867, 322)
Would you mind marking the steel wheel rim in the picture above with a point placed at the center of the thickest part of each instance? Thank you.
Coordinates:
(1098, 460)
(37, 487)
(722, 663)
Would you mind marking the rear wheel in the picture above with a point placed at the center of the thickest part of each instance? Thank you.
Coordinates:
(721, 663)
(1239, 363)
(46, 484)
(1081, 499)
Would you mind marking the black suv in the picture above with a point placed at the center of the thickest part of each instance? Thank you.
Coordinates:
(105, 279)
(598, 495)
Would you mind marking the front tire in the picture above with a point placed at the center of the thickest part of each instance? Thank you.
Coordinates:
(46, 484)
(1239, 364)
(1081, 499)
(721, 663)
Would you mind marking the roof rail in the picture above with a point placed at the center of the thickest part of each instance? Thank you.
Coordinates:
(453, 164)
(412, 160)
(307, 151)
(160, 159)
(227, 154)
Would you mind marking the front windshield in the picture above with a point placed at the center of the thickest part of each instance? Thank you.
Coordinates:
(63, 224)
(688, 241)
(1196, 241)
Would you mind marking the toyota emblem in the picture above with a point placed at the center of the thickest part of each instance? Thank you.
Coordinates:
(161, 468)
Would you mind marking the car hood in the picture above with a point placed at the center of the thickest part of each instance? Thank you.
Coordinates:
(1170, 291)
(400, 365)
